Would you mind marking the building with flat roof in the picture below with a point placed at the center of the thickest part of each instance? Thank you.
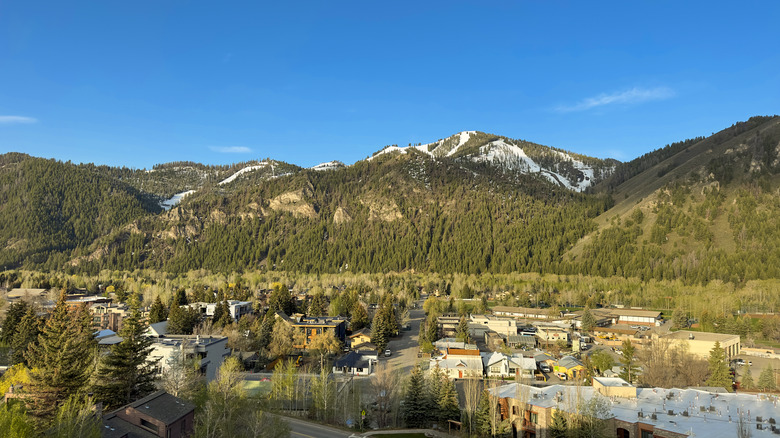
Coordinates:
(210, 351)
(645, 412)
(313, 326)
(523, 312)
(701, 343)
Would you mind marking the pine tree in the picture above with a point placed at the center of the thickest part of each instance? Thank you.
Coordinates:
(747, 377)
(414, 409)
(767, 380)
(359, 316)
(629, 370)
(27, 331)
(318, 305)
(13, 316)
(448, 402)
(157, 312)
(588, 321)
(719, 370)
(126, 373)
(483, 420)
(559, 426)
(61, 360)
(462, 333)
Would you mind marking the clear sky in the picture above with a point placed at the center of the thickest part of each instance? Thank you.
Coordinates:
(139, 82)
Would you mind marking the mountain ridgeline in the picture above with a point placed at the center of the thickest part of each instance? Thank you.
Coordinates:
(697, 210)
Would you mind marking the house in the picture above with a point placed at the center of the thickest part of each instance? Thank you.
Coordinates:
(108, 315)
(448, 324)
(570, 366)
(701, 343)
(356, 363)
(360, 337)
(210, 351)
(446, 343)
(156, 415)
(314, 326)
(501, 365)
(459, 363)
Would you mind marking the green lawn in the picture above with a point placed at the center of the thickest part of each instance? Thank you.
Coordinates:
(255, 388)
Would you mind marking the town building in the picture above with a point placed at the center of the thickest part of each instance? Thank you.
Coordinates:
(640, 412)
(209, 351)
(502, 326)
(501, 365)
(701, 343)
(570, 366)
(156, 415)
(550, 334)
(360, 337)
(236, 308)
(523, 312)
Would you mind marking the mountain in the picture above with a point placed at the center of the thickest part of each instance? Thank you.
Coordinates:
(573, 171)
(697, 210)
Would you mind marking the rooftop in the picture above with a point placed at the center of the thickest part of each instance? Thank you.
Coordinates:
(700, 336)
(612, 381)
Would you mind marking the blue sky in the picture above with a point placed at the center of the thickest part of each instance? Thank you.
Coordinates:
(145, 82)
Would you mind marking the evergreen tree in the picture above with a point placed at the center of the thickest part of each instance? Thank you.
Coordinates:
(318, 305)
(219, 310)
(414, 410)
(179, 298)
(448, 402)
(225, 319)
(13, 316)
(61, 360)
(767, 380)
(27, 331)
(679, 319)
(281, 300)
(182, 320)
(719, 370)
(359, 316)
(559, 426)
(588, 321)
(483, 419)
(629, 369)
(462, 332)
(747, 377)
(157, 312)
(126, 373)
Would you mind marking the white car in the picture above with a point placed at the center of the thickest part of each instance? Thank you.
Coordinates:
(388, 353)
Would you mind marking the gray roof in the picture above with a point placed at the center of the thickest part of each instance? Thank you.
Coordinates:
(115, 427)
(351, 360)
(162, 406)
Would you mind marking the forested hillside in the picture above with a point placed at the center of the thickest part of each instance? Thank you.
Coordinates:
(49, 208)
(473, 203)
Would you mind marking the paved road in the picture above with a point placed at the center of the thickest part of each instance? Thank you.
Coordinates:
(405, 346)
(306, 429)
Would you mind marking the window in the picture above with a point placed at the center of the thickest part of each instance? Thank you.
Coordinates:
(646, 433)
(148, 424)
(183, 426)
(534, 418)
(514, 410)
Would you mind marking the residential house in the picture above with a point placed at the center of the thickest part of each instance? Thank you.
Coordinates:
(236, 308)
(314, 326)
(156, 415)
(501, 365)
(356, 363)
(360, 337)
(459, 363)
(570, 366)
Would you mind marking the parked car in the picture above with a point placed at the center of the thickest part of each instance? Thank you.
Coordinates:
(545, 368)
(561, 376)
(388, 353)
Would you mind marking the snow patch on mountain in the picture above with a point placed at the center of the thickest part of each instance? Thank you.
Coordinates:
(247, 169)
(331, 165)
(388, 150)
(175, 200)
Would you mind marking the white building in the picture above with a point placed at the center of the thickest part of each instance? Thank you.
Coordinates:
(237, 308)
(210, 352)
(458, 363)
(503, 326)
(501, 365)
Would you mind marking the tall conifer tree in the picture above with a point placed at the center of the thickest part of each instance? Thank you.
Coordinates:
(126, 373)
(61, 360)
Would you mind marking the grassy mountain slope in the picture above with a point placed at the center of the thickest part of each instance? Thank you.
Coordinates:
(708, 210)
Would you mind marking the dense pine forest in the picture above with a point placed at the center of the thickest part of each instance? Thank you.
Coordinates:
(695, 211)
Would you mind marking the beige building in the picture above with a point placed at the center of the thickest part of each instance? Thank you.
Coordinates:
(614, 387)
(502, 326)
(701, 343)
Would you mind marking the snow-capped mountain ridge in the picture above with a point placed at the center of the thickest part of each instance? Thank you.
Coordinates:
(559, 167)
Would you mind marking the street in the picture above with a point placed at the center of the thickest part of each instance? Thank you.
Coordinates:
(306, 429)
